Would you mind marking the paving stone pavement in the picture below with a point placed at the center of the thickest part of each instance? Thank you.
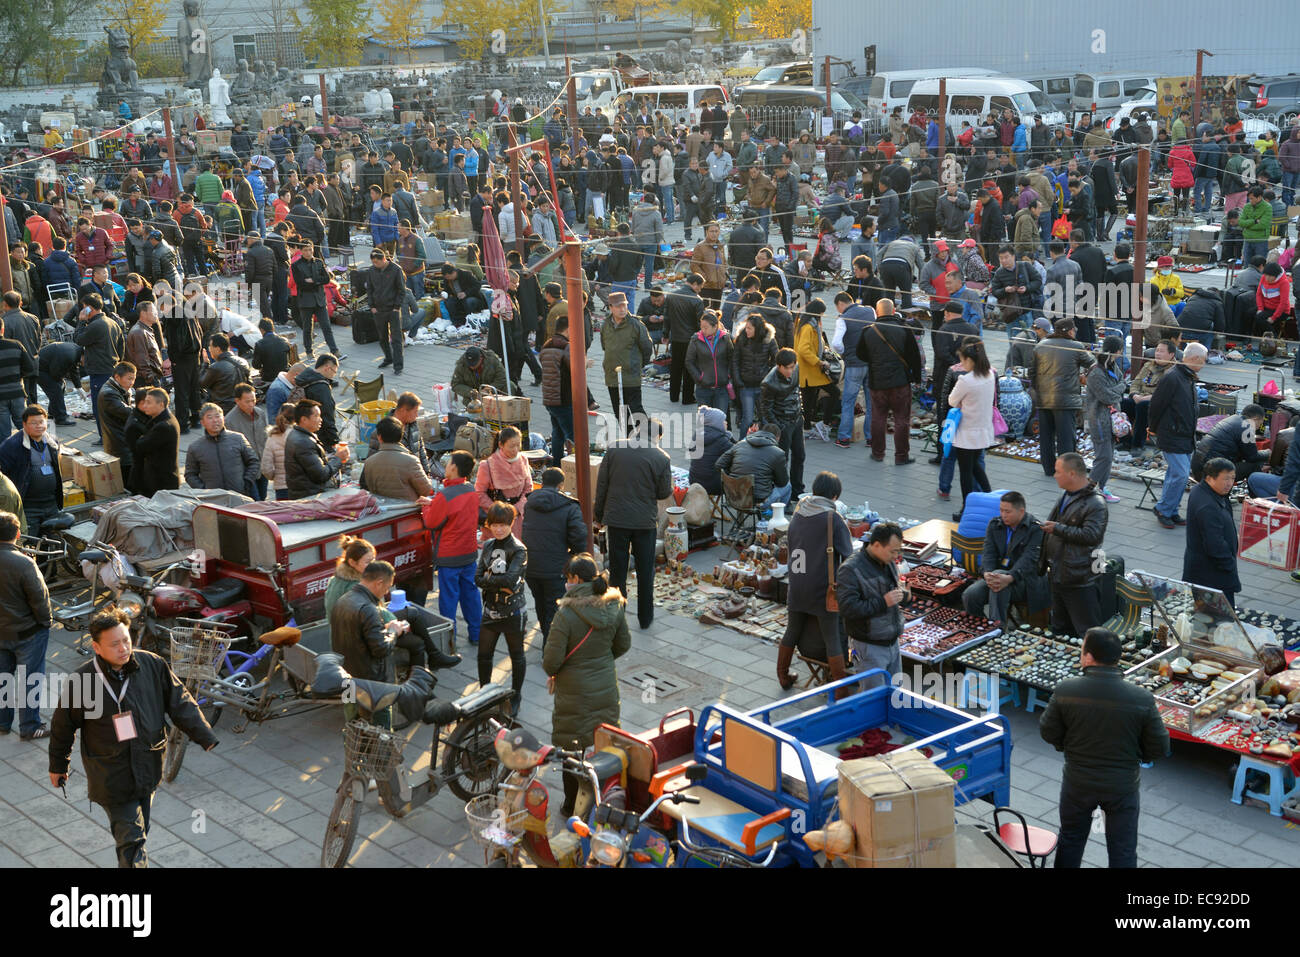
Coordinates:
(263, 797)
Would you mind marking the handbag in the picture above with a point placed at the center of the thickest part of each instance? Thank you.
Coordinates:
(1120, 424)
(1000, 426)
(834, 362)
(832, 602)
(550, 681)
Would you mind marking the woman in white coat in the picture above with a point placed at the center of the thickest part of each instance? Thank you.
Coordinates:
(973, 394)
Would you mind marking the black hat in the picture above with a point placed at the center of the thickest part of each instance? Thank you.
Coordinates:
(473, 355)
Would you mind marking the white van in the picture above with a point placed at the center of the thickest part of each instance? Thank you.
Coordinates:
(1103, 93)
(884, 91)
(972, 97)
(1059, 87)
(681, 104)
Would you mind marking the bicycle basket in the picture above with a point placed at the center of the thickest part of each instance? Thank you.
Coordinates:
(493, 826)
(370, 752)
(197, 649)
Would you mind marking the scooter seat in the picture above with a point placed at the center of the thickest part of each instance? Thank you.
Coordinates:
(58, 523)
(225, 592)
(281, 637)
(96, 556)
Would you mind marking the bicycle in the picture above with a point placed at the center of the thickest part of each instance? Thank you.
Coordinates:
(233, 684)
(469, 765)
(196, 651)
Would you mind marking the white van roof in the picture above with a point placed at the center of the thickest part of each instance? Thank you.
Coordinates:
(978, 84)
(927, 74)
(672, 88)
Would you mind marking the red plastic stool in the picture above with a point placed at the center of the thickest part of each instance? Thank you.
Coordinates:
(1036, 843)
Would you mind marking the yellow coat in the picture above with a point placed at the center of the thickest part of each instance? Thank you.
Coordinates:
(808, 347)
(1171, 287)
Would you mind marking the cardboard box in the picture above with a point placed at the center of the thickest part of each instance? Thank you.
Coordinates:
(410, 116)
(206, 141)
(507, 408)
(223, 137)
(430, 426)
(68, 462)
(431, 199)
(569, 465)
(73, 494)
(451, 225)
(859, 427)
(100, 474)
(900, 806)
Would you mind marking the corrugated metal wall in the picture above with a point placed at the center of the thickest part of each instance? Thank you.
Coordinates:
(1018, 37)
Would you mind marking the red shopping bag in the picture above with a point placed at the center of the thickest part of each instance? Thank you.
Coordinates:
(1270, 533)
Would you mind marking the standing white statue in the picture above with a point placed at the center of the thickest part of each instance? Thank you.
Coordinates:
(386, 99)
(372, 101)
(219, 97)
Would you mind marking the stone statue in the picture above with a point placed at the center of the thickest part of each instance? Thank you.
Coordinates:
(242, 87)
(219, 98)
(196, 52)
(261, 79)
(120, 74)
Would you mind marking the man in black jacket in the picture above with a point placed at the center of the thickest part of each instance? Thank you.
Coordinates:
(1072, 557)
(310, 277)
(1092, 263)
(682, 310)
(104, 340)
(271, 354)
(1233, 439)
(1173, 420)
(1107, 728)
(386, 291)
(1118, 300)
(56, 363)
(464, 295)
(1203, 316)
(114, 406)
(259, 270)
(868, 591)
(359, 634)
(225, 372)
(25, 618)
(1012, 544)
(553, 532)
(122, 740)
(275, 241)
(893, 361)
(305, 221)
(634, 476)
(780, 403)
(743, 246)
(317, 384)
(155, 466)
(308, 468)
(1210, 558)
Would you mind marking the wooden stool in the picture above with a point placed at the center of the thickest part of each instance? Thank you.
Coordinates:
(819, 672)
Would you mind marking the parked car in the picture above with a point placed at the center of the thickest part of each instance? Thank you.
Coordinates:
(1275, 97)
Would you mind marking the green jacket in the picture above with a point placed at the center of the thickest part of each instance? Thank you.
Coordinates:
(207, 188)
(11, 501)
(627, 345)
(464, 380)
(1256, 220)
(586, 684)
(747, 156)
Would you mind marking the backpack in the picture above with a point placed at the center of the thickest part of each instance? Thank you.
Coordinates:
(474, 439)
(855, 135)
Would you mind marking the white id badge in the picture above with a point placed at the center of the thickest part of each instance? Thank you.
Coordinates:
(124, 726)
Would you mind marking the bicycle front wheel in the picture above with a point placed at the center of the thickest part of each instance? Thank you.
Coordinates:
(341, 830)
(175, 753)
(469, 765)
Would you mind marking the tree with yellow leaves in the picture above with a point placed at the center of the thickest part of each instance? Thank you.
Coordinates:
(478, 20)
(141, 20)
(400, 27)
(780, 18)
(336, 33)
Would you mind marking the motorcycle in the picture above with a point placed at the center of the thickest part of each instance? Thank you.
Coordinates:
(615, 837)
(156, 605)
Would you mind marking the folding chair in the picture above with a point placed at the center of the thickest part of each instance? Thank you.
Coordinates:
(738, 503)
(369, 390)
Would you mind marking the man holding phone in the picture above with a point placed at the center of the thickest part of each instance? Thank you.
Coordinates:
(869, 593)
(123, 724)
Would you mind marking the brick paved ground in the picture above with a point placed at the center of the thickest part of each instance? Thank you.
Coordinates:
(263, 797)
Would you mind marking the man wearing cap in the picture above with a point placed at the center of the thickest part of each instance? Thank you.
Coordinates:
(386, 291)
(135, 207)
(475, 369)
(1021, 351)
(626, 344)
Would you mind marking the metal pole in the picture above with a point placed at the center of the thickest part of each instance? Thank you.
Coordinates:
(827, 77)
(546, 40)
(1140, 247)
(1196, 102)
(324, 106)
(514, 191)
(171, 150)
(943, 115)
(6, 276)
(578, 382)
(571, 103)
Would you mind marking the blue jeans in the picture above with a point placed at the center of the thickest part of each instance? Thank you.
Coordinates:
(666, 194)
(629, 290)
(1202, 194)
(561, 429)
(715, 398)
(11, 414)
(781, 494)
(1180, 467)
(855, 381)
(651, 253)
(96, 383)
(1263, 484)
(1045, 229)
(946, 469)
(259, 222)
(720, 195)
(456, 587)
(29, 655)
(1289, 182)
(1253, 247)
(748, 400)
(764, 219)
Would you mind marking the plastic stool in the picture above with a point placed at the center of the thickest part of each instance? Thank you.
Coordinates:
(1036, 699)
(1278, 789)
(972, 685)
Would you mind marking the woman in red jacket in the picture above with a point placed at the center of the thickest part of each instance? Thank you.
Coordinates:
(1182, 163)
(1272, 300)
